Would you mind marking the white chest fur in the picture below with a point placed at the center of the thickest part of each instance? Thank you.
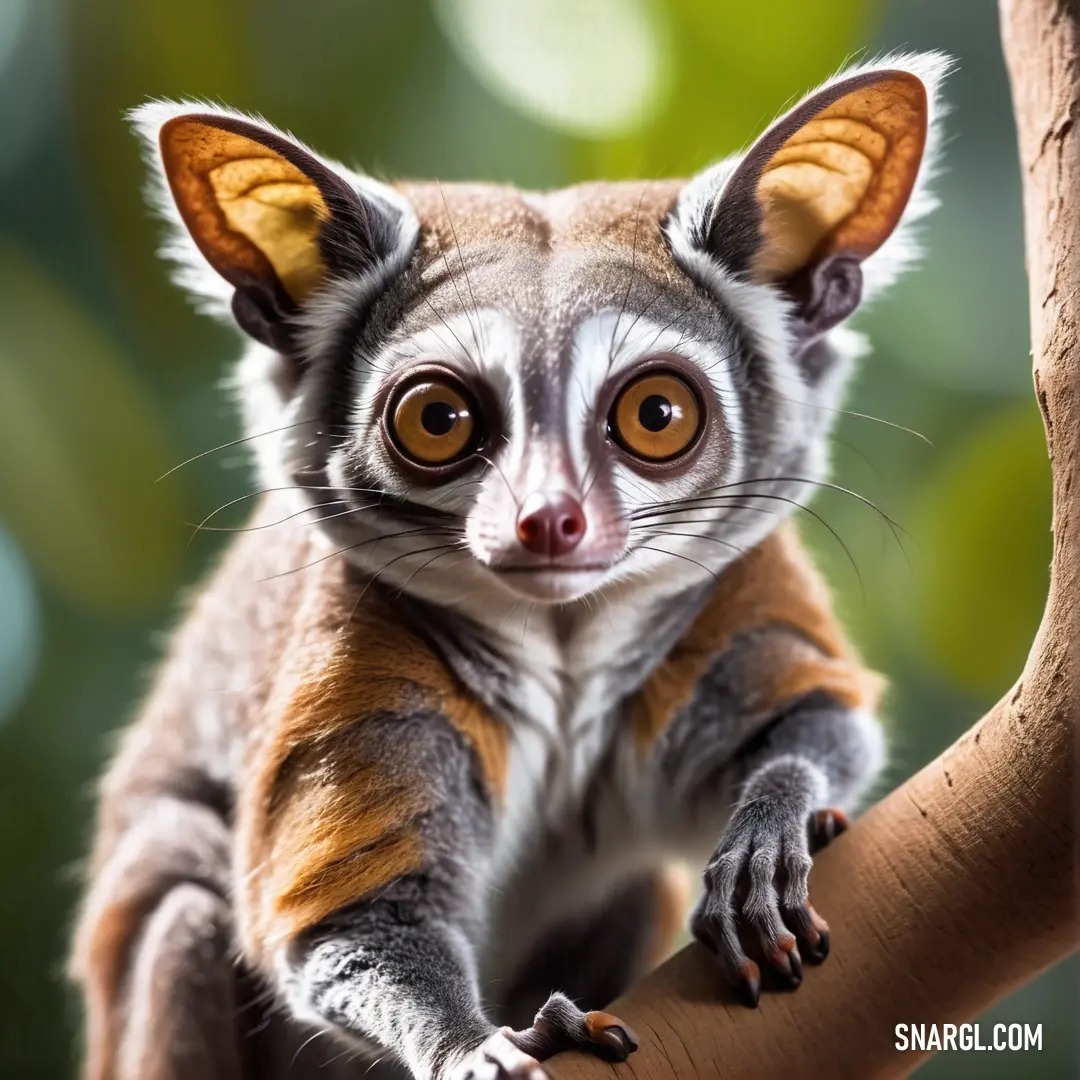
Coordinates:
(577, 814)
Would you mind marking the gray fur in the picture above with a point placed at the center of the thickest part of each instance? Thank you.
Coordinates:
(816, 754)
(398, 969)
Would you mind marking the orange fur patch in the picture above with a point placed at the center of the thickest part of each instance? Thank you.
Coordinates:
(328, 816)
(775, 585)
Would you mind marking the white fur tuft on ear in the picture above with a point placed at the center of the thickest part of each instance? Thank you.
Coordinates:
(762, 308)
(210, 292)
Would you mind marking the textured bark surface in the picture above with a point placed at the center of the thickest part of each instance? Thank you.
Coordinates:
(962, 884)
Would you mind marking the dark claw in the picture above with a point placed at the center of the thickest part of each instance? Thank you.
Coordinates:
(825, 826)
(796, 966)
(613, 1040)
(817, 935)
(561, 1025)
(822, 949)
(788, 963)
(748, 987)
(811, 930)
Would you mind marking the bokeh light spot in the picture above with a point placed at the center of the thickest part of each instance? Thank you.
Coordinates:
(595, 70)
(12, 18)
(20, 630)
(28, 76)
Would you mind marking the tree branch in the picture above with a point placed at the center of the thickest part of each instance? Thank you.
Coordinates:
(961, 885)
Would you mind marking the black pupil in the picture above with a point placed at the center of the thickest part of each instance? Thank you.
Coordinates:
(438, 417)
(654, 413)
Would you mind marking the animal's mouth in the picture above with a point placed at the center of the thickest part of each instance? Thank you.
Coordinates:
(552, 568)
(552, 582)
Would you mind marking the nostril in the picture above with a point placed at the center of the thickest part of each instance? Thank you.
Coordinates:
(533, 529)
(571, 526)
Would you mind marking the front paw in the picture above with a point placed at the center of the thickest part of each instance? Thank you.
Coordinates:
(756, 884)
(496, 1058)
(561, 1025)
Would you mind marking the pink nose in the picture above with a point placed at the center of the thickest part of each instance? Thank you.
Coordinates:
(550, 524)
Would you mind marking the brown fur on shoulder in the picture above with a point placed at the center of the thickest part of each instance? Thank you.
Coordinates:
(258, 715)
(773, 586)
(325, 816)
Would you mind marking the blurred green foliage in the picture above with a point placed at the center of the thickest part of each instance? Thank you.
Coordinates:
(100, 530)
(985, 548)
(107, 379)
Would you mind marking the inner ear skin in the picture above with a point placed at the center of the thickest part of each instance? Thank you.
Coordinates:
(354, 239)
(825, 293)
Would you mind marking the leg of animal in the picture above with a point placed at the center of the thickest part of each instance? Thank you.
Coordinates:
(812, 757)
(155, 952)
(410, 985)
(381, 837)
(182, 993)
(781, 762)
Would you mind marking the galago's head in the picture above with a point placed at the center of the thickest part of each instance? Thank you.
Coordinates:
(541, 395)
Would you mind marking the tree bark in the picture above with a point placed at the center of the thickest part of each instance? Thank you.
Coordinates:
(961, 885)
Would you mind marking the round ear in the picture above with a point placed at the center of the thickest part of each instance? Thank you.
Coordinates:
(819, 193)
(253, 202)
(832, 177)
(268, 215)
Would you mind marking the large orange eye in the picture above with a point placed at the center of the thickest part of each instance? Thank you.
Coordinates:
(656, 417)
(433, 422)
